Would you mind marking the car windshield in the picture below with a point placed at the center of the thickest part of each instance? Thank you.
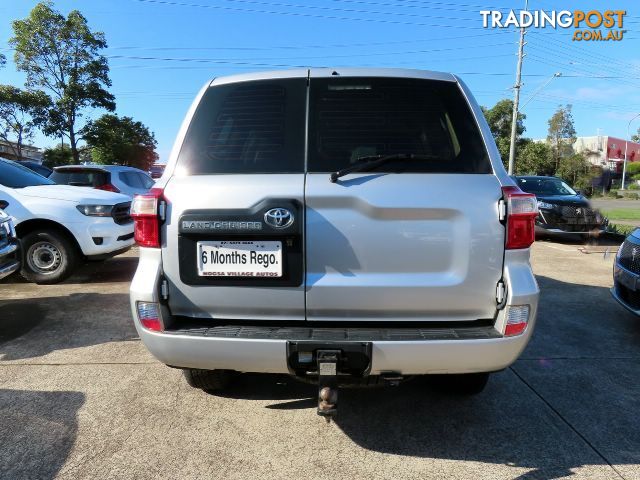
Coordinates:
(545, 186)
(13, 175)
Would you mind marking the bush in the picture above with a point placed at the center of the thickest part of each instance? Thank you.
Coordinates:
(620, 229)
(633, 168)
(632, 196)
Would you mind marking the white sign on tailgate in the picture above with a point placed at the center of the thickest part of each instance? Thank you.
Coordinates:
(255, 258)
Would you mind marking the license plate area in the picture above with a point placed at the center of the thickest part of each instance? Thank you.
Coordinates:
(239, 258)
(291, 262)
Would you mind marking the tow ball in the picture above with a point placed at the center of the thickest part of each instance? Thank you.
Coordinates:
(328, 383)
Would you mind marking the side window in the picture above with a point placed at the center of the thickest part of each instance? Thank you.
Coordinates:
(131, 179)
(145, 180)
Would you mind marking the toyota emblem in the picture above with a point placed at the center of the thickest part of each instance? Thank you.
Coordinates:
(278, 218)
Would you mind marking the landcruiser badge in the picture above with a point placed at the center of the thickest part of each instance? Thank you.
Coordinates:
(278, 217)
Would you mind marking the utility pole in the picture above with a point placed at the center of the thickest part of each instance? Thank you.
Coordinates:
(516, 99)
(626, 150)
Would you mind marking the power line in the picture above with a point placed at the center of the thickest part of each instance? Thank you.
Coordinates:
(357, 55)
(308, 15)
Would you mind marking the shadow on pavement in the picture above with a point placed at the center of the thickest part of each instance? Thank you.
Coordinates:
(35, 327)
(37, 432)
(114, 270)
(579, 373)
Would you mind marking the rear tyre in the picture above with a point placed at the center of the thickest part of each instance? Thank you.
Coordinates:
(49, 257)
(462, 384)
(208, 380)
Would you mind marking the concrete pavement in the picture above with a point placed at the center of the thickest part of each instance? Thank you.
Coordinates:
(80, 398)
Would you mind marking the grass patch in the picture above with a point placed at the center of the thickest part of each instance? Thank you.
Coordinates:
(620, 229)
(622, 214)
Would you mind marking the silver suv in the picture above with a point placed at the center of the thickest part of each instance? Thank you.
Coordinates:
(335, 225)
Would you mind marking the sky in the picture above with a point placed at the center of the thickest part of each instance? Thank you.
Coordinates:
(161, 52)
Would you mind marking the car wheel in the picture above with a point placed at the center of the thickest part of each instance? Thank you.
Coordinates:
(208, 380)
(462, 384)
(49, 257)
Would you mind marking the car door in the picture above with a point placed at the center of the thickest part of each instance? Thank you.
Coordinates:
(412, 240)
(238, 188)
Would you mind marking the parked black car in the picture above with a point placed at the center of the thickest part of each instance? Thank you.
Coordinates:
(36, 167)
(562, 210)
(9, 245)
(626, 273)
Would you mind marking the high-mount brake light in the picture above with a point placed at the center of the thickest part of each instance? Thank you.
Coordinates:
(522, 210)
(145, 211)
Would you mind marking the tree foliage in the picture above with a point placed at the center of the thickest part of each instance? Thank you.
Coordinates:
(575, 169)
(3, 60)
(120, 141)
(500, 118)
(21, 112)
(534, 158)
(61, 154)
(636, 136)
(62, 56)
(562, 134)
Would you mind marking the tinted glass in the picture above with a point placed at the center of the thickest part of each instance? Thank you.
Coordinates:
(131, 179)
(146, 181)
(545, 186)
(80, 178)
(249, 127)
(357, 117)
(13, 175)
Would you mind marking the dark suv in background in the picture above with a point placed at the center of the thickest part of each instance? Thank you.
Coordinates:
(561, 210)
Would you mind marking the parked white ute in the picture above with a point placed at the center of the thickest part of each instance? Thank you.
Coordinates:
(60, 225)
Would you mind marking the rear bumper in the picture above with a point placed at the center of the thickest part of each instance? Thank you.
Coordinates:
(270, 355)
(259, 353)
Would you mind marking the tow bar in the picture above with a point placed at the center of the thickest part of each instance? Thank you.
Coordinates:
(328, 383)
(333, 363)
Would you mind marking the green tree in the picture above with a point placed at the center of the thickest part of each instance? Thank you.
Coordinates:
(20, 112)
(62, 56)
(120, 141)
(3, 60)
(61, 154)
(500, 117)
(636, 137)
(575, 169)
(534, 158)
(561, 135)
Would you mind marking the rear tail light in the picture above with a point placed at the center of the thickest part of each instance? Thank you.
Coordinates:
(109, 188)
(149, 316)
(145, 211)
(522, 210)
(517, 320)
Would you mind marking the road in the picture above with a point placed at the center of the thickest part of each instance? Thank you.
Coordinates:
(612, 203)
(80, 398)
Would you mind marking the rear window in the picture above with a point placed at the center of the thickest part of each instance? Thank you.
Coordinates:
(351, 118)
(249, 127)
(80, 178)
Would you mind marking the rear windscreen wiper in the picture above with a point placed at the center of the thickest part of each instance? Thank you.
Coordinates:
(373, 161)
